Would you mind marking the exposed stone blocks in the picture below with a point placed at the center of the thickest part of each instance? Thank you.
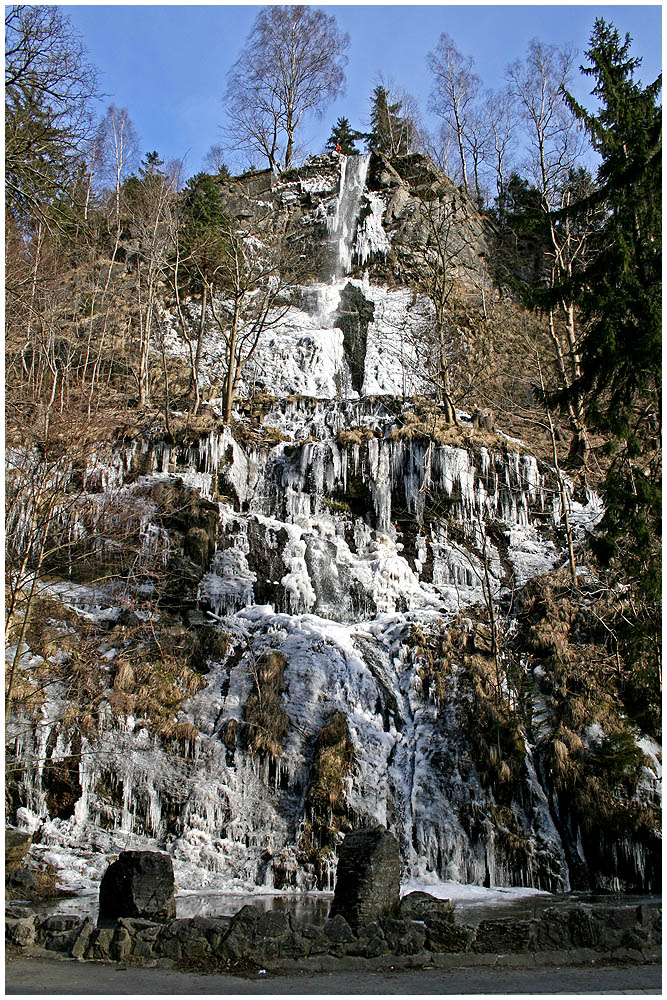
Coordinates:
(138, 884)
(368, 876)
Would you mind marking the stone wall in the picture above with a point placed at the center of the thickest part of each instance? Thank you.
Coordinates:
(625, 933)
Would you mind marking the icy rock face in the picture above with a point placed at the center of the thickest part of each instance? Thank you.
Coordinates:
(224, 816)
(332, 547)
(325, 553)
(347, 529)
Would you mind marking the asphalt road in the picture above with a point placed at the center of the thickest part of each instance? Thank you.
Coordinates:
(65, 977)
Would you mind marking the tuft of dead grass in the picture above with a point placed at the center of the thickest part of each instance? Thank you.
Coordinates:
(355, 436)
(266, 721)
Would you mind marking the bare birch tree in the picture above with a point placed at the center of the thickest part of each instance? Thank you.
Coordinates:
(455, 91)
(538, 85)
(292, 65)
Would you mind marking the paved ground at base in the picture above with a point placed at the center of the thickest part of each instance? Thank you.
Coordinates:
(64, 977)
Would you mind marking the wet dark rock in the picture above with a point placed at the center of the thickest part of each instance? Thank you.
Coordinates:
(368, 876)
(354, 314)
(139, 884)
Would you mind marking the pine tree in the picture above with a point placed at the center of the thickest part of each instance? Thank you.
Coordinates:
(621, 293)
(344, 136)
(619, 296)
(387, 134)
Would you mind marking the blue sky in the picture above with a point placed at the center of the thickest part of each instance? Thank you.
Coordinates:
(167, 63)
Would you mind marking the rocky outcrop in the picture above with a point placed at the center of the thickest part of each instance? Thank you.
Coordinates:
(368, 876)
(139, 884)
(353, 315)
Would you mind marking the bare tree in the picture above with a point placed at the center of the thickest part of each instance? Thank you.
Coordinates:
(152, 210)
(501, 116)
(291, 65)
(437, 257)
(257, 267)
(215, 160)
(118, 147)
(538, 85)
(455, 91)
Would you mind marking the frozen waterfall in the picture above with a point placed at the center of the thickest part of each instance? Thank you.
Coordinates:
(342, 224)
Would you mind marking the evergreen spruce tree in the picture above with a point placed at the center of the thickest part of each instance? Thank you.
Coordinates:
(386, 135)
(619, 297)
(344, 136)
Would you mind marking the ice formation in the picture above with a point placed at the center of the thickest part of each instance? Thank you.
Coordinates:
(332, 550)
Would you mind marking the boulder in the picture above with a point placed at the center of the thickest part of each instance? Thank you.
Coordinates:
(368, 876)
(20, 932)
(403, 936)
(446, 936)
(17, 845)
(420, 905)
(138, 884)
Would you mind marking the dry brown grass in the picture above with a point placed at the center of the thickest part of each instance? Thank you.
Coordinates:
(262, 436)
(334, 760)
(355, 436)
(265, 718)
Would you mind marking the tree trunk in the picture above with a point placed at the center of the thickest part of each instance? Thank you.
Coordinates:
(231, 367)
(197, 360)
